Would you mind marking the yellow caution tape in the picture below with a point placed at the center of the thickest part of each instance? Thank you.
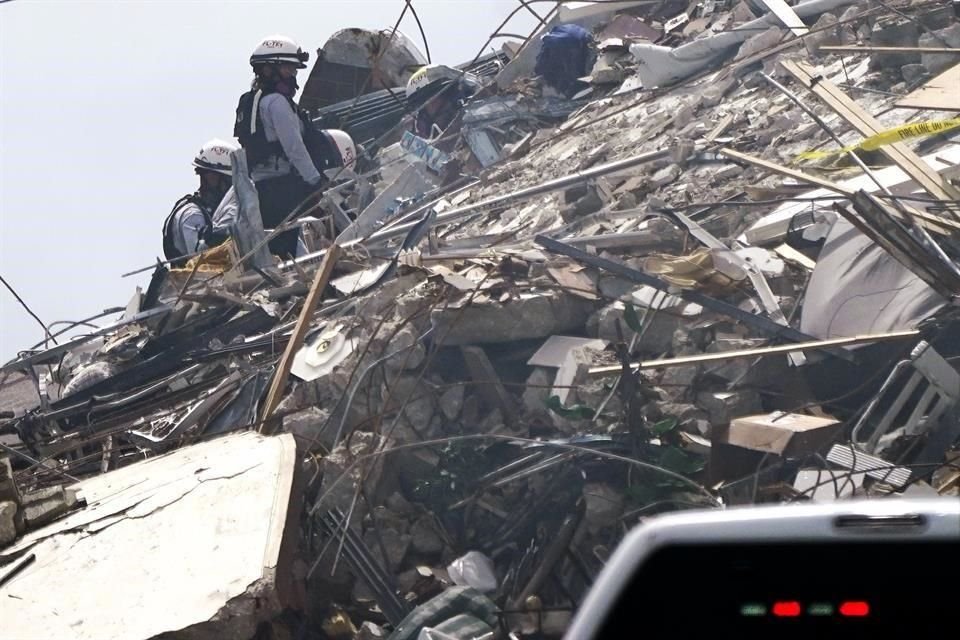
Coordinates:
(903, 132)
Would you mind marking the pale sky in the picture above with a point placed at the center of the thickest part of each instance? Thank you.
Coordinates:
(104, 103)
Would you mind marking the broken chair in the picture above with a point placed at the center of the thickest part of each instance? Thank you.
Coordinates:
(921, 397)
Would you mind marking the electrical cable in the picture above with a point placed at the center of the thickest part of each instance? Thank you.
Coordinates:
(23, 304)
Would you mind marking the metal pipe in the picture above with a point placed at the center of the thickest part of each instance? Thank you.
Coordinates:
(530, 192)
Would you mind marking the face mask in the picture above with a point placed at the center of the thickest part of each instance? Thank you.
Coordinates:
(211, 192)
(286, 86)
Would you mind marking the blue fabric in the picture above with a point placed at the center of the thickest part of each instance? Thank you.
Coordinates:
(563, 56)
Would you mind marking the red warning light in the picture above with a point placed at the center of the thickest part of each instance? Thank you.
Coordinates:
(786, 609)
(855, 609)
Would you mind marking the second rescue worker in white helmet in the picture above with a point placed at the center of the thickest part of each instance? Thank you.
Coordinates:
(437, 93)
(269, 128)
(202, 219)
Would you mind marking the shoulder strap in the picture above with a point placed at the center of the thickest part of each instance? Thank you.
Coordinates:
(248, 129)
(170, 250)
(255, 122)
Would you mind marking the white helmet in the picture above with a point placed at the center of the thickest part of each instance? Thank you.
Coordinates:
(344, 145)
(431, 79)
(215, 156)
(279, 50)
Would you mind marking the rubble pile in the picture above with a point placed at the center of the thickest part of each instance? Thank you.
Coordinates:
(659, 287)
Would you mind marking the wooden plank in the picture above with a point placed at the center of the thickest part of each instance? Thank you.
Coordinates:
(787, 16)
(724, 356)
(941, 93)
(320, 280)
(928, 221)
(852, 48)
(899, 153)
(721, 127)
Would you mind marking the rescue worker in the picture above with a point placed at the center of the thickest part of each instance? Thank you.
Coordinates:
(200, 220)
(273, 132)
(438, 92)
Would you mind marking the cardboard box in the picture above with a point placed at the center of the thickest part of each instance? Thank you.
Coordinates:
(785, 434)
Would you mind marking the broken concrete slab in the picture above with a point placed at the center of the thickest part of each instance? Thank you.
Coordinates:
(395, 543)
(825, 33)
(679, 381)
(935, 63)
(690, 418)
(216, 512)
(724, 406)
(451, 401)
(415, 397)
(8, 486)
(425, 539)
(370, 631)
(904, 35)
(307, 427)
(760, 42)
(8, 527)
(410, 349)
(604, 505)
(666, 176)
(46, 505)
(537, 390)
(338, 491)
(658, 338)
(489, 385)
(530, 315)
(913, 73)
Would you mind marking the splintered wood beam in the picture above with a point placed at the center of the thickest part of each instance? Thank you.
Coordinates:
(864, 123)
(282, 374)
(928, 221)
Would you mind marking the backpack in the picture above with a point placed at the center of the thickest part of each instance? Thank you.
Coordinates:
(321, 148)
(563, 56)
(170, 250)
